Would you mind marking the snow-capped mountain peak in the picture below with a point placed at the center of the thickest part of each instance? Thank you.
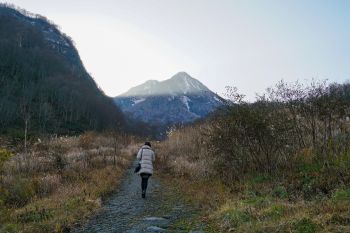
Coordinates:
(184, 83)
(180, 99)
(180, 83)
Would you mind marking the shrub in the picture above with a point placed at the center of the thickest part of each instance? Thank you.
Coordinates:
(4, 156)
(19, 192)
(39, 227)
(86, 140)
(257, 179)
(287, 120)
(280, 192)
(37, 215)
(305, 225)
(59, 161)
(253, 138)
(9, 228)
(61, 228)
(234, 217)
(340, 219)
(47, 184)
(275, 211)
(341, 195)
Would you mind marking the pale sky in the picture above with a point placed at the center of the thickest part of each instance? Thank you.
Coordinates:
(250, 44)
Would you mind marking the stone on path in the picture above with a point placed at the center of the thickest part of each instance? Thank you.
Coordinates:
(157, 221)
(154, 219)
(155, 229)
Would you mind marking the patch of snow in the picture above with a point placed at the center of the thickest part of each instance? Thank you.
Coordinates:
(146, 87)
(185, 101)
(52, 40)
(217, 99)
(137, 101)
(188, 86)
(196, 85)
(171, 98)
(154, 219)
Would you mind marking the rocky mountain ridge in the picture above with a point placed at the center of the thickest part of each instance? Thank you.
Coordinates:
(178, 100)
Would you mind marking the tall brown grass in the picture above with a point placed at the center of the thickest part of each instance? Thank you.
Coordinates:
(187, 152)
(60, 181)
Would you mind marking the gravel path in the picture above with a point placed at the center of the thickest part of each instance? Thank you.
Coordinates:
(126, 211)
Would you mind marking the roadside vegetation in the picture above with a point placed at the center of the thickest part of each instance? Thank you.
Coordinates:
(280, 164)
(60, 181)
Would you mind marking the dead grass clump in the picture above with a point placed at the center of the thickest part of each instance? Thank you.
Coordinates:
(17, 193)
(47, 184)
(186, 152)
(86, 140)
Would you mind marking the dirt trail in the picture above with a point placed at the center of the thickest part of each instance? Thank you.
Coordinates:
(126, 211)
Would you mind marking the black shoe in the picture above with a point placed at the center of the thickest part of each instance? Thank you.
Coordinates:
(143, 194)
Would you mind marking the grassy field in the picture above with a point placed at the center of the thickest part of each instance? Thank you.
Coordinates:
(60, 181)
(258, 207)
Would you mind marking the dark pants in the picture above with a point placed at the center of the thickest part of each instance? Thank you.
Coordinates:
(144, 181)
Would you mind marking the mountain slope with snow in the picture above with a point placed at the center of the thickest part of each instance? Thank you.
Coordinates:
(180, 99)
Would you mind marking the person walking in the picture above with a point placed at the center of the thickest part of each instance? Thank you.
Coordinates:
(146, 158)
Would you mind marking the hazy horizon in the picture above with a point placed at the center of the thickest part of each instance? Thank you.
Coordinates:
(247, 44)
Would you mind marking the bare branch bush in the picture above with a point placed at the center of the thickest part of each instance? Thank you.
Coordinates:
(268, 135)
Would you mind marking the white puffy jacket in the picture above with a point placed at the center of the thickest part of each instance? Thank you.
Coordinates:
(147, 159)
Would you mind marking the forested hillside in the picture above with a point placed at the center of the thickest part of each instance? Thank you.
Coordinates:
(44, 86)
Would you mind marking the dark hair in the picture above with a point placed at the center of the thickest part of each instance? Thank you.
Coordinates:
(148, 144)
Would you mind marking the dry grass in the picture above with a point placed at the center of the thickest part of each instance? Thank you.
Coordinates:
(186, 153)
(248, 209)
(311, 198)
(60, 182)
